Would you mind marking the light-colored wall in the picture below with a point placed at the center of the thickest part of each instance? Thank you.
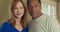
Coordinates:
(54, 0)
(4, 13)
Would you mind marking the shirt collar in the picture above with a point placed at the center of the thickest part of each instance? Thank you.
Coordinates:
(38, 19)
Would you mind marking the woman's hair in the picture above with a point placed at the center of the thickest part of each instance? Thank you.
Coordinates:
(23, 19)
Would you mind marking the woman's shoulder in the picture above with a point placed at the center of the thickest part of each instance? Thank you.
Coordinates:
(5, 26)
(5, 23)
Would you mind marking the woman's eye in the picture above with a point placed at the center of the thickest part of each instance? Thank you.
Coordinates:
(21, 7)
(15, 8)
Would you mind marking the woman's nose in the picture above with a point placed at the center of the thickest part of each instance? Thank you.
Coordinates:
(18, 11)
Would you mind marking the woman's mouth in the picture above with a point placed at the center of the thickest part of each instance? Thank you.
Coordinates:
(18, 14)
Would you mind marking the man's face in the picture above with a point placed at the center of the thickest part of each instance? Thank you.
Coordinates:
(34, 8)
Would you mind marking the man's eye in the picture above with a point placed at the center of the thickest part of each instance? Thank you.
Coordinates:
(35, 5)
(31, 7)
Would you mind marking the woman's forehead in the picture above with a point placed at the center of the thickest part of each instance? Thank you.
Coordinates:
(19, 4)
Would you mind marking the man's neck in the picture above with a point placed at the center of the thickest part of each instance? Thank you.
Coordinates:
(38, 16)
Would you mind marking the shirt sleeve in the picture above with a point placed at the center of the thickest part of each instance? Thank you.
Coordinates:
(53, 25)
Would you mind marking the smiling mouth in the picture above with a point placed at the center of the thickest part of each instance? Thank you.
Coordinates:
(34, 12)
(18, 14)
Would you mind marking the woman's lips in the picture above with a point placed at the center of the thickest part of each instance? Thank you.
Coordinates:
(18, 14)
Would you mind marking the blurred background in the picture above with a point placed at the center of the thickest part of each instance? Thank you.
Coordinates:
(50, 7)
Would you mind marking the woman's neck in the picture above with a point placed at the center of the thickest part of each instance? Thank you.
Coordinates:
(18, 21)
(18, 24)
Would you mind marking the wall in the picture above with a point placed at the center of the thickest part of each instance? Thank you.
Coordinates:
(4, 13)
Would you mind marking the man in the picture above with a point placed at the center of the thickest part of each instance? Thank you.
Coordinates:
(40, 22)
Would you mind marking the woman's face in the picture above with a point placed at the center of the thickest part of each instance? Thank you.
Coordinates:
(18, 10)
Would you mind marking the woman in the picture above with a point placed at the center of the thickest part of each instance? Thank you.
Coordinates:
(17, 22)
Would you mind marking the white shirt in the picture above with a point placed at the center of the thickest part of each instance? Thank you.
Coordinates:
(44, 23)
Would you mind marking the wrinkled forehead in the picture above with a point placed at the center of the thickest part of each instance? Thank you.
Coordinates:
(33, 1)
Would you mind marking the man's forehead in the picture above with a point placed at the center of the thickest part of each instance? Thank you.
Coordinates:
(33, 0)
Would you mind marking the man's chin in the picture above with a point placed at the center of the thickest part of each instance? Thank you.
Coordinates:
(34, 17)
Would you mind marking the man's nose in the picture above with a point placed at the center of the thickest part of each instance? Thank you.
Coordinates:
(33, 8)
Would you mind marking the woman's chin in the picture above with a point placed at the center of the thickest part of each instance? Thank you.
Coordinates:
(19, 16)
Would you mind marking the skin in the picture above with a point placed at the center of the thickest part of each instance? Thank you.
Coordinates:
(34, 9)
(18, 12)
